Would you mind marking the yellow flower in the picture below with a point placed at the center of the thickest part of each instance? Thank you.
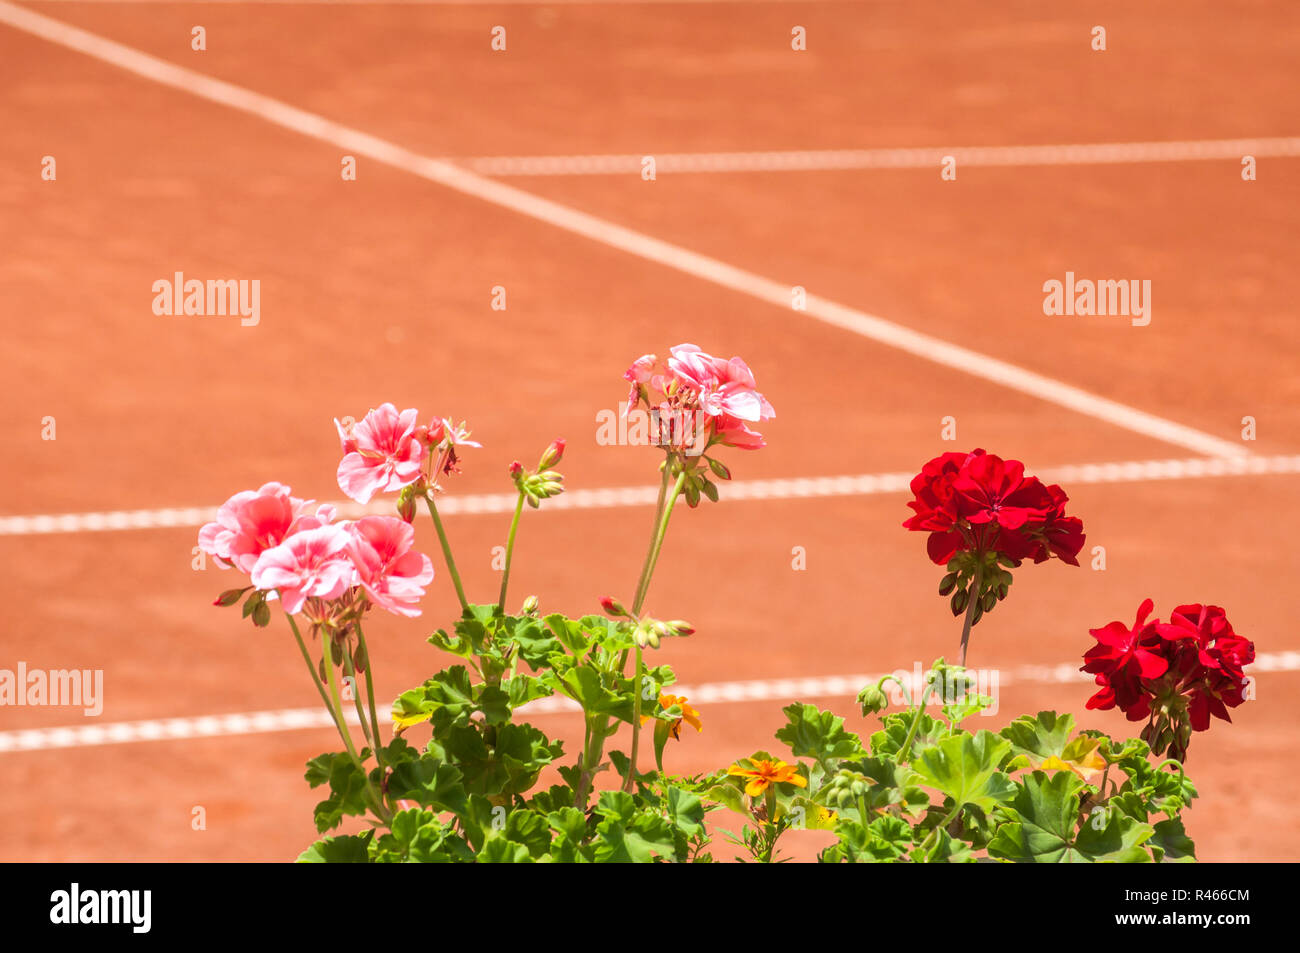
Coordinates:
(763, 774)
(689, 714)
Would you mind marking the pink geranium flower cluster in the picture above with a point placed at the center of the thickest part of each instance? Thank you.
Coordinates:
(693, 382)
(267, 534)
(298, 553)
(388, 451)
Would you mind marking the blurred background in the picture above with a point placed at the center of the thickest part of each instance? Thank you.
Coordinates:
(500, 156)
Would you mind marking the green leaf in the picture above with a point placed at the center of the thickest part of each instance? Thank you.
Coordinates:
(820, 735)
(418, 836)
(449, 696)
(729, 794)
(455, 645)
(530, 829)
(521, 689)
(946, 849)
(965, 767)
(585, 686)
(430, 782)
(894, 784)
(494, 704)
(499, 850)
(1171, 844)
(569, 633)
(626, 835)
(1047, 828)
(344, 849)
(685, 811)
(347, 789)
(888, 742)
(884, 840)
(510, 765)
(539, 648)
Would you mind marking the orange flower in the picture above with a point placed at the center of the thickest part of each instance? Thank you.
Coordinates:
(689, 714)
(763, 774)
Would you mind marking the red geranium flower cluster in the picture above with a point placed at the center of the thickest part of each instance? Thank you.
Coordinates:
(978, 502)
(1176, 674)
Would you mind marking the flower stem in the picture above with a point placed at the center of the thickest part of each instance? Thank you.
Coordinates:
(659, 512)
(306, 657)
(370, 688)
(446, 551)
(652, 557)
(376, 802)
(630, 783)
(510, 549)
(657, 542)
(904, 751)
(356, 700)
(970, 612)
(943, 823)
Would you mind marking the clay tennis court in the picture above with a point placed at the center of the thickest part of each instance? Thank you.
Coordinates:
(522, 169)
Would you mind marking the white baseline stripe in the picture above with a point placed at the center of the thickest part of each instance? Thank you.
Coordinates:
(814, 160)
(699, 266)
(711, 694)
(869, 484)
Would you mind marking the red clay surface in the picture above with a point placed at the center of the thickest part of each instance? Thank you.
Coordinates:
(379, 289)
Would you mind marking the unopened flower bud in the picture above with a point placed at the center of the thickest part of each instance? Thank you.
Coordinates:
(516, 469)
(873, 700)
(435, 433)
(406, 505)
(530, 606)
(612, 606)
(229, 597)
(681, 628)
(552, 455)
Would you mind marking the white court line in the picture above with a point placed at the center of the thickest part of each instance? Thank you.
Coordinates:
(811, 160)
(710, 694)
(869, 484)
(354, 142)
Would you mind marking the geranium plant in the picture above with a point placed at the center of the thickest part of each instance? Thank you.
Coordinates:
(482, 784)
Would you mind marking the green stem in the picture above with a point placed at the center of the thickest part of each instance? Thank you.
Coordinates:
(510, 549)
(656, 544)
(942, 824)
(630, 784)
(324, 697)
(376, 802)
(370, 689)
(641, 582)
(356, 699)
(772, 832)
(446, 551)
(970, 612)
(652, 557)
(593, 748)
(903, 752)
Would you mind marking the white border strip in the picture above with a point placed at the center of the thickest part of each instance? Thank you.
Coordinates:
(354, 142)
(708, 694)
(796, 488)
(821, 160)
(441, 3)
